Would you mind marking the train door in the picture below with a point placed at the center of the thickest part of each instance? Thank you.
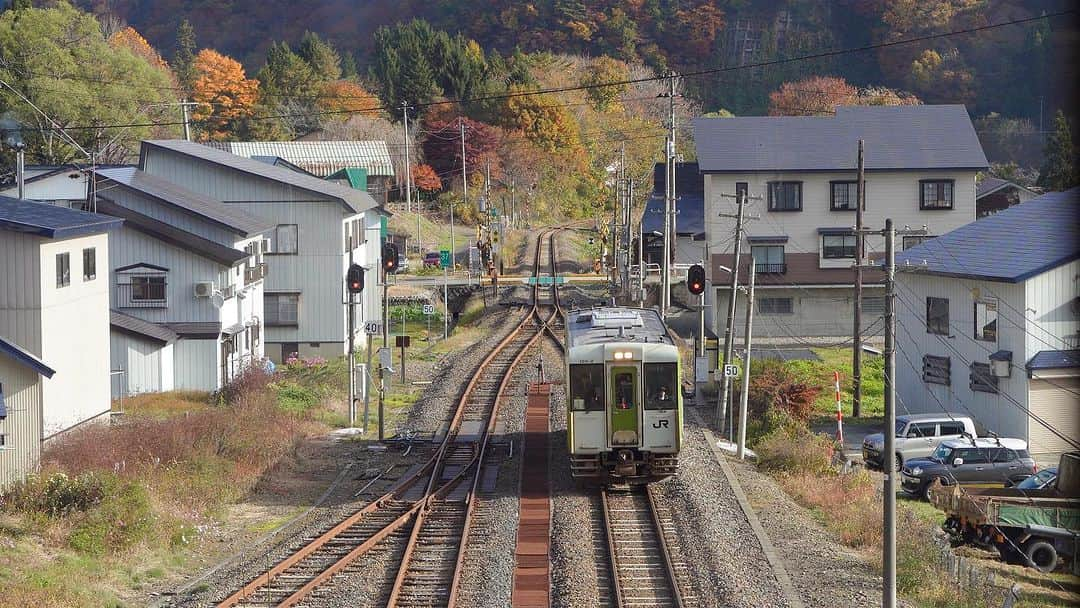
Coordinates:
(588, 432)
(624, 412)
(661, 408)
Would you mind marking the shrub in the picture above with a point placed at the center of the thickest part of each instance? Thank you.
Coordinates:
(252, 378)
(292, 397)
(54, 495)
(121, 519)
(794, 449)
(774, 386)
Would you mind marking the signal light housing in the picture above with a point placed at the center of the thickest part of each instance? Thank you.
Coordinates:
(354, 279)
(695, 279)
(390, 258)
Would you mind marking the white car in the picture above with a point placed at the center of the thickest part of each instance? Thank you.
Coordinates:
(917, 436)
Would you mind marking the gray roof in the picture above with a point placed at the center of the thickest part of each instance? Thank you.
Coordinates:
(601, 325)
(321, 158)
(354, 200)
(141, 327)
(990, 185)
(689, 201)
(226, 256)
(163, 190)
(1055, 359)
(24, 357)
(896, 137)
(196, 329)
(1011, 246)
(51, 221)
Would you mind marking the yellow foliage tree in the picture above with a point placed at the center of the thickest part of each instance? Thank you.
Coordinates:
(224, 93)
(543, 120)
(131, 40)
(348, 98)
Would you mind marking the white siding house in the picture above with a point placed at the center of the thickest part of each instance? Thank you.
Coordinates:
(55, 304)
(317, 227)
(799, 176)
(191, 270)
(988, 323)
(64, 186)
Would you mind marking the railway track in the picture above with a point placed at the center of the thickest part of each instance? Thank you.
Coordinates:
(426, 518)
(639, 539)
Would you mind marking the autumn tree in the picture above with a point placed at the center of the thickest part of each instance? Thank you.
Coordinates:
(812, 96)
(425, 179)
(541, 118)
(346, 98)
(184, 59)
(1059, 168)
(226, 96)
(604, 70)
(442, 146)
(131, 40)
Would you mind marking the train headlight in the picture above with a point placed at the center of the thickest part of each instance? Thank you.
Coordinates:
(623, 355)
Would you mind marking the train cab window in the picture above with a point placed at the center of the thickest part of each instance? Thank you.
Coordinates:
(587, 387)
(661, 380)
(624, 391)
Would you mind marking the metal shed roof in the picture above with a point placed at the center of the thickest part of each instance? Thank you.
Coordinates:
(354, 200)
(1011, 246)
(1055, 359)
(321, 158)
(226, 256)
(141, 327)
(163, 190)
(990, 185)
(23, 357)
(896, 137)
(51, 221)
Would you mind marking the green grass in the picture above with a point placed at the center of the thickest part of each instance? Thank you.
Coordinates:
(820, 373)
(434, 236)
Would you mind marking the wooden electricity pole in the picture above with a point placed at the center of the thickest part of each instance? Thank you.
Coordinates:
(856, 337)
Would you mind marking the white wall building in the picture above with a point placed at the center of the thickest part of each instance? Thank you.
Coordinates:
(318, 226)
(799, 174)
(55, 304)
(192, 269)
(988, 323)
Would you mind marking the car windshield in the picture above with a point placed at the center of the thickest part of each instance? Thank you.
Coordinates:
(942, 453)
(1037, 480)
(899, 431)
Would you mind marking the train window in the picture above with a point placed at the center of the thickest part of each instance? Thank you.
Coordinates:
(661, 380)
(587, 387)
(624, 391)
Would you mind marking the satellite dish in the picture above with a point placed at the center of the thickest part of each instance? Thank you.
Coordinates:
(217, 299)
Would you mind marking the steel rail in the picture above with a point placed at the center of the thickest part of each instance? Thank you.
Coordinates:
(618, 577)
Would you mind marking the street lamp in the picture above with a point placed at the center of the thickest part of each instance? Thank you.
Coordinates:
(11, 133)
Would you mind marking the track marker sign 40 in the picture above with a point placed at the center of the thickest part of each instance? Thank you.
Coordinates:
(371, 328)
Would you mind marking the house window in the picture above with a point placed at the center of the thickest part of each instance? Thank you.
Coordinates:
(936, 370)
(768, 258)
(785, 196)
(286, 239)
(838, 246)
(63, 269)
(89, 263)
(981, 379)
(936, 194)
(937, 316)
(911, 241)
(282, 309)
(775, 306)
(986, 317)
(148, 288)
(844, 196)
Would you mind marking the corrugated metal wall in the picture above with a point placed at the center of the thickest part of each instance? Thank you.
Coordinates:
(1055, 401)
(21, 451)
(20, 299)
(141, 361)
(196, 364)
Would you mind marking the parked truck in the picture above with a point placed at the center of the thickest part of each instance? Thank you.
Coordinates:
(1038, 528)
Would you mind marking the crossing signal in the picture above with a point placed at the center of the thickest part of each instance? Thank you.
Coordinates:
(355, 278)
(695, 279)
(390, 258)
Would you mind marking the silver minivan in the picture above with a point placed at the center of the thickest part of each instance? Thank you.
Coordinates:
(917, 436)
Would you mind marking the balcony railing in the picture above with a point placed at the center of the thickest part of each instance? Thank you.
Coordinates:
(770, 268)
(142, 295)
(254, 273)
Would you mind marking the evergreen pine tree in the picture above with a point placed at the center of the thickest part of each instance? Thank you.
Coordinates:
(320, 55)
(348, 67)
(183, 62)
(1058, 171)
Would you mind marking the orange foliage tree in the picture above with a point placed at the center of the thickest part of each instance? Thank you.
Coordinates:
(131, 40)
(226, 96)
(821, 95)
(348, 98)
(425, 179)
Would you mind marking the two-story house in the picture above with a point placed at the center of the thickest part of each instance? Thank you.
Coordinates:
(799, 177)
(187, 275)
(988, 323)
(54, 308)
(318, 227)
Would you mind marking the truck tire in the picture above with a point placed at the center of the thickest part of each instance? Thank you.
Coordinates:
(1041, 554)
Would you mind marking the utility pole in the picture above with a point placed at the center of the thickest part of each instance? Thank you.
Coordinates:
(350, 309)
(741, 195)
(187, 119)
(408, 174)
(856, 338)
(464, 194)
(888, 546)
(669, 201)
(513, 202)
(741, 452)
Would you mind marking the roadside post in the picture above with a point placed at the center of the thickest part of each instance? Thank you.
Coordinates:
(402, 343)
(385, 361)
(429, 309)
(371, 328)
(444, 261)
(839, 412)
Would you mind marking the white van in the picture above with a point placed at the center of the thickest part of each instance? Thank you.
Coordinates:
(917, 436)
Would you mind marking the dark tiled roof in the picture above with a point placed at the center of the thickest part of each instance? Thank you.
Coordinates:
(196, 329)
(1011, 246)
(990, 185)
(192, 202)
(226, 256)
(141, 327)
(354, 200)
(1055, 359)
(23, 357)
(896, 137)
(277, 161)
(689, 201)
(51, 221)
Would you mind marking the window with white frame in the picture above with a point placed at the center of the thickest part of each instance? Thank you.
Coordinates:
(844, 195)
(63, 269)
(936, 194)
(286, 239)
(281, 309)
(986, 320)
(89, 263)
(768, 258)
(838, 246)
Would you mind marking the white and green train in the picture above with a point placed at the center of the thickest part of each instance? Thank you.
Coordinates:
(624, 406)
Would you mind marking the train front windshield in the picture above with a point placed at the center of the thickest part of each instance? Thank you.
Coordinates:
(587, 387)
(660, 385)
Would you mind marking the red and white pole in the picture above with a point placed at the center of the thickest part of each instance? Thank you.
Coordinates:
(839, 410)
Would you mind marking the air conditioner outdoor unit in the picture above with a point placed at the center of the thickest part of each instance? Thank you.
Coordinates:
(204, 289)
